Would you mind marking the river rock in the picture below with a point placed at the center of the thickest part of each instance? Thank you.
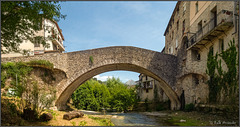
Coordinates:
(182, 121)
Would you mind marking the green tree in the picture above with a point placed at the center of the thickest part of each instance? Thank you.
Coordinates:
(21, 19)
(122, 97)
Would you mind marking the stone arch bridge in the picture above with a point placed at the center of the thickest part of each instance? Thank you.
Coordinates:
(80, 66)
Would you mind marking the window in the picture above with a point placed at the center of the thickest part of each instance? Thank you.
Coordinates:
(183, 28)
(200, 25)
(196, 6)
(199, 28)
(176, 43)
(146, 90)
(221, 45)
(172, 34)
(195, 79)
(177, 10)
(54, 33)
(146, 78)
(213, 22)
(195, 55)
(184, 8)
(177, 25)
(37, 42)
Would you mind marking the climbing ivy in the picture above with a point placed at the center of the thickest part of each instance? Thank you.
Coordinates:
(225, 82)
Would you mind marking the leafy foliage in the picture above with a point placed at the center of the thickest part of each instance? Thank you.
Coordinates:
(21, 19)
(93, 95)
(220, 80)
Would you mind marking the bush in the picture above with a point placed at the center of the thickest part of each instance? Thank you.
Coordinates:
(160, 107)
(189, 107)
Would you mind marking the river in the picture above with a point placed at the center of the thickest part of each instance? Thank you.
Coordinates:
(135, 118)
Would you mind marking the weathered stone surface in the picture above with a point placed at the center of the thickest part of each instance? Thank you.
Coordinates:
(79, 68)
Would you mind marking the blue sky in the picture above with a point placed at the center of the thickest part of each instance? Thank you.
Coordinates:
(95, 24)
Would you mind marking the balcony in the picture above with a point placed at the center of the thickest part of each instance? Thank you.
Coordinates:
(59, 44)
(215, 27)
(57, 41)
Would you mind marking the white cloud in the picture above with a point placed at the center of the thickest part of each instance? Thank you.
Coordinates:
(138, 7)
(102, 78)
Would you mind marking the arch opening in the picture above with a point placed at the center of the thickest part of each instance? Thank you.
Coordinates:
(73, 85)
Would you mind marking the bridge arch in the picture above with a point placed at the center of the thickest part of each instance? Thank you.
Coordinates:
(62, 99)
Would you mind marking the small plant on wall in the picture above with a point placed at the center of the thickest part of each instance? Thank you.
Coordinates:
(90, 60)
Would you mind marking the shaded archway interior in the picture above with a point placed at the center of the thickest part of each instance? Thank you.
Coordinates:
(66, 94)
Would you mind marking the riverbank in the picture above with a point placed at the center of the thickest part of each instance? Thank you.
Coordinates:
(194, 118)
(11, 116)
(86, 120)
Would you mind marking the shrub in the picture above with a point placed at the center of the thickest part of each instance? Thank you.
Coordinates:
(189, 107)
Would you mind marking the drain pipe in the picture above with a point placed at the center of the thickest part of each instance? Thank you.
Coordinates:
(235, 17)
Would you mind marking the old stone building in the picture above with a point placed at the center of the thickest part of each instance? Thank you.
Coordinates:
(195, 28)
(177, 28)
(52, 35)
(150, 89)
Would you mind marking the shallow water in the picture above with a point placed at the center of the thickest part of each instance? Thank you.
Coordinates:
(132, 119)
(137, 119)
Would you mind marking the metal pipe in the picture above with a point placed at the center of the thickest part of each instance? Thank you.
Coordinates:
(235, 17)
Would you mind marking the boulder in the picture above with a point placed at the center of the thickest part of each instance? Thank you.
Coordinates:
(46, 117)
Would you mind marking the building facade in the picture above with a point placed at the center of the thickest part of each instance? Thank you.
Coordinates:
(149, 89)
(195, 29)
(51, 33)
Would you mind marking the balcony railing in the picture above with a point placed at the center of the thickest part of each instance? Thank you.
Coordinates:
(58, 43)
(212, 29)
